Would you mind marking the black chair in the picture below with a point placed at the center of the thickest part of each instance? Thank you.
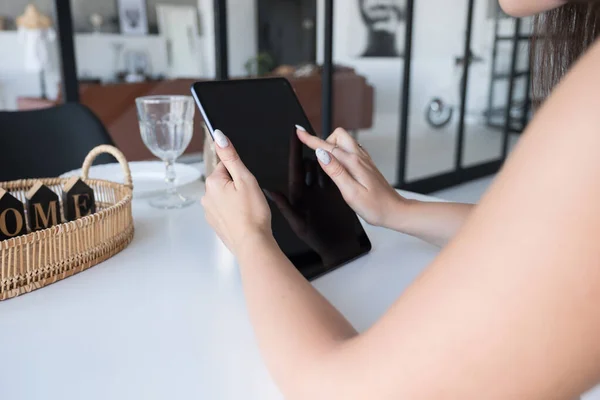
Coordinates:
(48, 142)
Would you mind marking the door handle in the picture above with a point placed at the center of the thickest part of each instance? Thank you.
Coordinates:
(191, 41)
(169, 53)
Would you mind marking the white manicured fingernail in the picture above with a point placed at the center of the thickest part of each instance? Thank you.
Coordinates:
(301, 128)
(220, 138)
(323, 156)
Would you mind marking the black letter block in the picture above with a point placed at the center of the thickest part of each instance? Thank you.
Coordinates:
(12, 216)
(42, 207)
(78, 199)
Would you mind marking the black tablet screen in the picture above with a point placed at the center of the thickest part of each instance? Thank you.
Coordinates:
(311, 222)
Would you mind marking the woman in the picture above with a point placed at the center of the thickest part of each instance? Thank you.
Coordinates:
(508, 310)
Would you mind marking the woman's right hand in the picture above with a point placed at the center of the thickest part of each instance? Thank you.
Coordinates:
(362, 185)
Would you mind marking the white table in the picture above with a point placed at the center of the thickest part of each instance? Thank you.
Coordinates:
(165, 319)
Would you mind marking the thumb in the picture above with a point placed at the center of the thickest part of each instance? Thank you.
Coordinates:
(219, 178)
(229, 156)
(338, 173)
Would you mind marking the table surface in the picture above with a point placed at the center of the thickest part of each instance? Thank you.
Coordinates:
(166, 318)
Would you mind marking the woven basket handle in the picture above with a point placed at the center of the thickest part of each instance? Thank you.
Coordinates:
(116, 153)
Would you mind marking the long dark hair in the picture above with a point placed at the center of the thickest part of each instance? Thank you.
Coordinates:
(560, 37)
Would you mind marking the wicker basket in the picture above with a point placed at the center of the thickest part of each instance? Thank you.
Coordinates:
(40, 258)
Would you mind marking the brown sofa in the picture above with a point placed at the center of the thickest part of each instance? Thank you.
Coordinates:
(114, 104)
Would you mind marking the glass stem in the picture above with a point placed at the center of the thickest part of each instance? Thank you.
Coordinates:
(170, 177)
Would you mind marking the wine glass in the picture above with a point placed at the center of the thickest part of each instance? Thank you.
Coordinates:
(166, 125)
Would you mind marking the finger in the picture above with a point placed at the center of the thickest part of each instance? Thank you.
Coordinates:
(315, 143)
(229, 156)
(310, 140)
(338, 173)
(339, 139)
(347, 159)
(353, 163)
(219, 177)
(342, 139)
(345, 141)
(221, 172)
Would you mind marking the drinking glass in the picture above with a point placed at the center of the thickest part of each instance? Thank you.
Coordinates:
(166, 125)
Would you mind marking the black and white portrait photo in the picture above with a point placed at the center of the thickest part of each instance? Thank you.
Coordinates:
(133, 17)
(384, 24)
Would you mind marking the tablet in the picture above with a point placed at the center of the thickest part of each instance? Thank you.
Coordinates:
(311, 222)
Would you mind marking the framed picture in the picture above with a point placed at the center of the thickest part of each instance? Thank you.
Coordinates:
(133, 17)
(377, 29)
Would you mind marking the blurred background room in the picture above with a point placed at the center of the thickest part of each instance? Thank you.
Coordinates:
(437, 91)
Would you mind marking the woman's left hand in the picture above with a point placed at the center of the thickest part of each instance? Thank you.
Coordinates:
(234, 204)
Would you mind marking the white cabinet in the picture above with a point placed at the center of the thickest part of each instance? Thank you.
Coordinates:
(96, 54)
(102, 55)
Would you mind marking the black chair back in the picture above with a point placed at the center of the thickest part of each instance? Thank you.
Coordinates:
(48, 142)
